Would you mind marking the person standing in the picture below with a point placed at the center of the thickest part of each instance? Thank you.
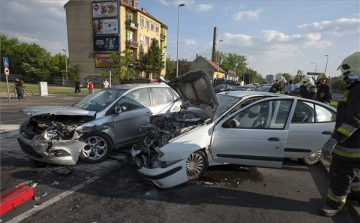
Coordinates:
(306, 90)
(344, 144)
(105, 83)
(277, 86)
(19, 89)
(77, 86)
(91, 87)
(323, 90)
(289, 87)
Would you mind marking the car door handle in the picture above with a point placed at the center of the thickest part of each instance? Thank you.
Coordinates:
(326, 133)
(273, 139)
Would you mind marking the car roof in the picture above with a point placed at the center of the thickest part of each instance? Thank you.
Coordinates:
(240, 94)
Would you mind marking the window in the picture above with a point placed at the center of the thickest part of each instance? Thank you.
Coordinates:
(264, 115)
(162, 96)
(147, 41)
(129, 15)
(129, 35)
(147, 24)
(135, 100)
(157, 28)
(324, 115)
(141, 39)
(304, 112)
(141, 21)
(152, 26)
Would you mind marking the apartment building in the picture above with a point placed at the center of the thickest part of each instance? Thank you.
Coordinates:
(96, 27)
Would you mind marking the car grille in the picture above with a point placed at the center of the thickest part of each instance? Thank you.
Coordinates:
(28, 149)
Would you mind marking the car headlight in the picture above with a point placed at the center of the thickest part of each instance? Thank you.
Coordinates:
(50, 134)
(165, 164)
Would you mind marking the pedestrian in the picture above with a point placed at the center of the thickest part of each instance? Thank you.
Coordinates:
(19, 89)
(277, 86)
(344, 144)
(77, 86)
(289, 87)
(323, 90)
(307, 89)
(90, 87)
(105, 83)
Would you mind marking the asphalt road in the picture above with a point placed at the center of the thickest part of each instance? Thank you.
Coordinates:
(113, 192)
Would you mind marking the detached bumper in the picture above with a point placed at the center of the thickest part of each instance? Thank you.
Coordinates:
(62, 152)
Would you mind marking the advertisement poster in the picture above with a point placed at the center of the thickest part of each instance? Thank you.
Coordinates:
(102, 60)
(105, 26)
(105, 43)
(104, 9)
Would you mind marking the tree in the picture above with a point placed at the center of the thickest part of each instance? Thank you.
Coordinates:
(287, 76)
(184, 66)
(153, 60)
(170, 70)
(299, 75)
(338, 84)
(122, 64)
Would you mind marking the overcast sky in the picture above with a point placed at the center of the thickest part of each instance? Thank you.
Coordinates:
(275, 36)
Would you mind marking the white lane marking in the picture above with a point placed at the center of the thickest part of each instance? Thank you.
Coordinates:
(53, 200)
(15, 120)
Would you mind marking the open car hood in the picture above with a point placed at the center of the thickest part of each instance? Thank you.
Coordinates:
(57, 110)
(195, 90)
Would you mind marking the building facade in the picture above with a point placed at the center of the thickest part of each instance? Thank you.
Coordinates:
(212, 69)
(96, 27)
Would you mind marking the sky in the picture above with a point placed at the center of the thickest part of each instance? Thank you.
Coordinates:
(275, 36)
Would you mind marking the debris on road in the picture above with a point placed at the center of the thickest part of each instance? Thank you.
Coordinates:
(64, 170)
(55, 183)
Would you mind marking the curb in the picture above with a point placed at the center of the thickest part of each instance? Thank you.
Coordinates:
(352, 207)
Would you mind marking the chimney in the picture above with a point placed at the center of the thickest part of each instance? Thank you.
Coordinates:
(143, 10)
(214, 45)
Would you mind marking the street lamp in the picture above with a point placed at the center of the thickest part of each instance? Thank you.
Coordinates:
(67, 77)
(219, 57)
(327, 59)
(315, 66)
(177, 42)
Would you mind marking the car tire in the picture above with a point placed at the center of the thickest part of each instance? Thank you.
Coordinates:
(196, 165)
(312, 159)
(98, 149)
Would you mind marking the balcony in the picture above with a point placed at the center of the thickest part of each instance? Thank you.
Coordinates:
(132, 44)
(162, 36)
(131, 24)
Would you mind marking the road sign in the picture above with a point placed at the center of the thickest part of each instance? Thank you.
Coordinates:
(6, 62)
(312, 73)
(6, 71)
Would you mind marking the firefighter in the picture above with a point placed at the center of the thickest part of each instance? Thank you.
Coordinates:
(306, 90)
(344, 144)
(323, 90)
(277, 86)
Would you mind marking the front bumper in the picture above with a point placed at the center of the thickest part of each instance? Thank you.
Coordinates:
(63, 152)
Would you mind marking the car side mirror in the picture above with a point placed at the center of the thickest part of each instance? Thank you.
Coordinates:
(118, 109)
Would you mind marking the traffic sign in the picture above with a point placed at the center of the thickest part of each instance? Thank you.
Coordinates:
(6, 62)
(312, 73)
(6, 71)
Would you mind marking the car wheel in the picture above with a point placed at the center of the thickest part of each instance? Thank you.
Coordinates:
(312, 158)
(196, 165)
(98, 147)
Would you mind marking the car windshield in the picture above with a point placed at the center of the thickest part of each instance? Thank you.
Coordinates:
(245, 89)
(99, 100)
(220, 86)
(225, 102)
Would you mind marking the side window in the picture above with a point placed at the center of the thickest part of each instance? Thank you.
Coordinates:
(304, 112)
(265, 115)
(162, 96)
(135, 100)
(324, 115)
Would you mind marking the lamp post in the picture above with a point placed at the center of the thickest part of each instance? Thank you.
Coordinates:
(219, 58)
(315, 66)
(177, 42)
(67, 77)
(327, 59)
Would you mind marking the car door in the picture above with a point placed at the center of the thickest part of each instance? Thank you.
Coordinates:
(135, 110)
(311, 126)
(255, 135)
(162, 99)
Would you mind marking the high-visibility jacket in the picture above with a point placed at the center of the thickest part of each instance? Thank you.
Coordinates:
(347, 125)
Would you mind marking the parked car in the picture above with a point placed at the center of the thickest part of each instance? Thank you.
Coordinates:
(246, 88)
(91, 128)
(222, 87)
(235, 127)
(265, 88)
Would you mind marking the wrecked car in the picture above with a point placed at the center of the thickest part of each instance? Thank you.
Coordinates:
(91, 128)
(236, 127)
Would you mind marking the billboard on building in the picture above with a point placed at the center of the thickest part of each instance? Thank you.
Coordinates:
(105, 26)
(106, 43)
(102, 60)
(104, 9)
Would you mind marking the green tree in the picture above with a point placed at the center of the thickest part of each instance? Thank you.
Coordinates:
(123, 65)
(287, 76)
(170, 69)
(338, 84)
(153, 60)
(184, 66)
(299, 75)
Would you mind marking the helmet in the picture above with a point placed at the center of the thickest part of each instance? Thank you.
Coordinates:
(280, 79)
(350, 66)
(306, 81)
(322, 76)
